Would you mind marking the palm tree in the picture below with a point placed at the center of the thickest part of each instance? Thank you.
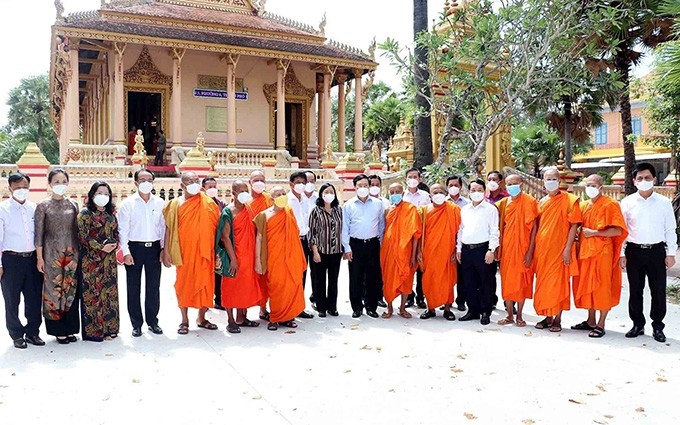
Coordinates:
(668, 67)
(29, 107)
(422, 130)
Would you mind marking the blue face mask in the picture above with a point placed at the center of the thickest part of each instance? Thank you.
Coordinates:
(514, 189)
(396, 198)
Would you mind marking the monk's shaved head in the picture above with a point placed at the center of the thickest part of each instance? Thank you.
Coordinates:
(512, 179)
(238, 186)
(595, 179)
(277, 191)
(189, 177)
(396, 188)
(257, 176)
(438, 188)
(552, 173)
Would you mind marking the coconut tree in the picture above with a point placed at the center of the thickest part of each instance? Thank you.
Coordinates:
(422, 130)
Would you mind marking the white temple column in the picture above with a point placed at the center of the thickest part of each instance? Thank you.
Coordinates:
(341, 111)
(119, 130)
(281, 69)
(73, 95)
(319, 117)
(231, 100)
(327, 77)
(358, 112)
(176, 100)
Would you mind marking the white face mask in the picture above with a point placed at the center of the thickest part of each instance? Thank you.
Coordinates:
(477, 196)
(551, 185)
(59, 189)
(101, 200)
(592, 192)
(412, 183)
(145, 187)
(374, 190)
(644, 185)
(20, 194)
(328, 198)
(362, 192)
(439, 198)
(299, 188)
(310, 187)
(244, 197)
(258, 187)
(212, 192)
(193, 188)
(454, 190)
(493, 186)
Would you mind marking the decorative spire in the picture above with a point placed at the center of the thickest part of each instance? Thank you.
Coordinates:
(371, 48)
(59, 6)
(322, 25)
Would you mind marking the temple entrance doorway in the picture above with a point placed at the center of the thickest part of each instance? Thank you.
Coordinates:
(294, 128)
(144, 111)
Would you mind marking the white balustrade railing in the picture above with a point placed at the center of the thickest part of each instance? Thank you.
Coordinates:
(7, 169)
(80, 153)
(244, 157)
(94, 172)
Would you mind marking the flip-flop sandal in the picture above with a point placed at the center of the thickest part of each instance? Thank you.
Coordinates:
(506, 321)
(448, 315)
(555, 327)
(405, 314)
(597, 332)
(207, 325)
(248, 324)
(264, 316)
(520, 323)
(183, 329)
(290, 324)
(543, 324)
(273, 326)
(583, 326)
(386, 315)
(233, 328)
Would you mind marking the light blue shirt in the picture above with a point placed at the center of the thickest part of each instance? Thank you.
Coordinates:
(362, 220)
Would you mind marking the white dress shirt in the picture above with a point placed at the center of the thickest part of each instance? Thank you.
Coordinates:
(419, 198)
(17, 228)
(301, 211)
(478, 224)
(461, 201)
(312, 200)
(362, 220)
(650, 221)
(140, 221)
(386, 202)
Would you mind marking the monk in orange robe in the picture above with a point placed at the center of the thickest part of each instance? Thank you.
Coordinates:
(399, 250)
(437, 252)
(191, 225)
(240, 289)
(261, 201)
(279, 255)
(603, 233)
(518, 220)
(560, 215)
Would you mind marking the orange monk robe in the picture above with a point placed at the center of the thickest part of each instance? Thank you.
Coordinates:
(285, 263)
(259, 204)
(557, 214)
(598, 285)
(243, 290)
(402, 224)
(440, 274)
(196, 225)
(516, 218)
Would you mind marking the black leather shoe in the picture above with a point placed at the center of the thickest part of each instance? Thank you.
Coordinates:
(372, 313)
(314, 307)
(635, 331)
(659, 336)
(35, 340)
(356, 314)
(136, 332)
(333, 313)
(63, 340)
(421, 304)
(322, 314)
(20, 343)
(428, 314)
(469, 316)
(485, 319)
(382, 304)
(72, 338)
(461, 307)
(156, 329)
(409, 303)
(305, 315)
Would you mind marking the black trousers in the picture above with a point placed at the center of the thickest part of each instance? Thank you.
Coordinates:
(218, 290)
(326, 297)
(460, 287)
(364, 274)
(160, 157)
(649, 263)
(310, 263)
(476, 276)
(418, 295)
(147, 258)
(21, 276)
(494, 283)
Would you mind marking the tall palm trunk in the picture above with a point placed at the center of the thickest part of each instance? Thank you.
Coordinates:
(568, 149)
(422, 130)
(623, 65)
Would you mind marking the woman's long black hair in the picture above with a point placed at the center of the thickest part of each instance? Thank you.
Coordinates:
(320, 202)
(110, 208)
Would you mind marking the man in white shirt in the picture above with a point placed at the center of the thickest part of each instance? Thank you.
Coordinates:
(141, 228)
(310, 189)
(18, 264)
(417, 197)
(299, 203)
(375, 182)
(454, 185)
(649, 250)
(478, 238)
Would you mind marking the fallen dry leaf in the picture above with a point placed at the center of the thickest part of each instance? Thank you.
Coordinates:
(661, 379)
(289, 332)
(257, 397)
(462, 356)
(391, 390)
(135, 381)
(601, 388)
(576, 401)
(600, 422)
(456, 370)
(528, 334)
(609, 416)
(354, 326)
(528, 421)
(108, 355)
(469, 416)
(378, 349)
(348, 370)
(640, 409)
(366, 347)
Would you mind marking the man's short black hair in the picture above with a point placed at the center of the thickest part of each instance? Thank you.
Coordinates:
(480, 182)
(298, 174)
(143, 170)
(17, 177)
(413, 169)
(208, 179)
(498, 173)
(358, 178)
(642, 167)
(374, 176)
(454, 177)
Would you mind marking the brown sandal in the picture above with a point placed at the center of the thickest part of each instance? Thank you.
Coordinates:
(205, 324)
(506, 321)
(183, 329)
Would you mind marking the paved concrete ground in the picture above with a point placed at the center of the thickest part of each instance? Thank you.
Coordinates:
(341, 370)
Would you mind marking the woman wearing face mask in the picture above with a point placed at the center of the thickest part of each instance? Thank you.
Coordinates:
(56, 243)
(98, 234)
(325, 227)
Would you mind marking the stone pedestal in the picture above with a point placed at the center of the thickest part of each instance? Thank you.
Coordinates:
(196, 160)
(671, 179)
(34, 164)
(346, 170)
(268, 167)
(620, 177)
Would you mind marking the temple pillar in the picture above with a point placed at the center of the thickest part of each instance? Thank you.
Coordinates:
(341, 112)
(326, 140)
(358, 112)
(319, 117)
(176, 101)
(72, 97)
(281, 68)
(119, 131)
(231, 100)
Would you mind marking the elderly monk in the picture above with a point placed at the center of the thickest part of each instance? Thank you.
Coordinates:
(399, 250)
(560, 215)
(279, 255)
(240, 290)
(191, 224)
(261, 201)
(518, 220)
(437, 252)
(603, 231)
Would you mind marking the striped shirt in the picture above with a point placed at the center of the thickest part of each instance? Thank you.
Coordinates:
(324, 230)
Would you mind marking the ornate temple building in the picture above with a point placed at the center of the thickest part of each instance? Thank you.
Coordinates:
(241, 76)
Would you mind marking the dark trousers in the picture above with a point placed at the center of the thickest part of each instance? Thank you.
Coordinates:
(493, 282)
(218, 289)
(149, 259)
(326, 297)
(21, 276)
(476, 276)
(460, 286)
(418, 295)
(160, 157)
(364, 274)
(312, 267)
(649, 263)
